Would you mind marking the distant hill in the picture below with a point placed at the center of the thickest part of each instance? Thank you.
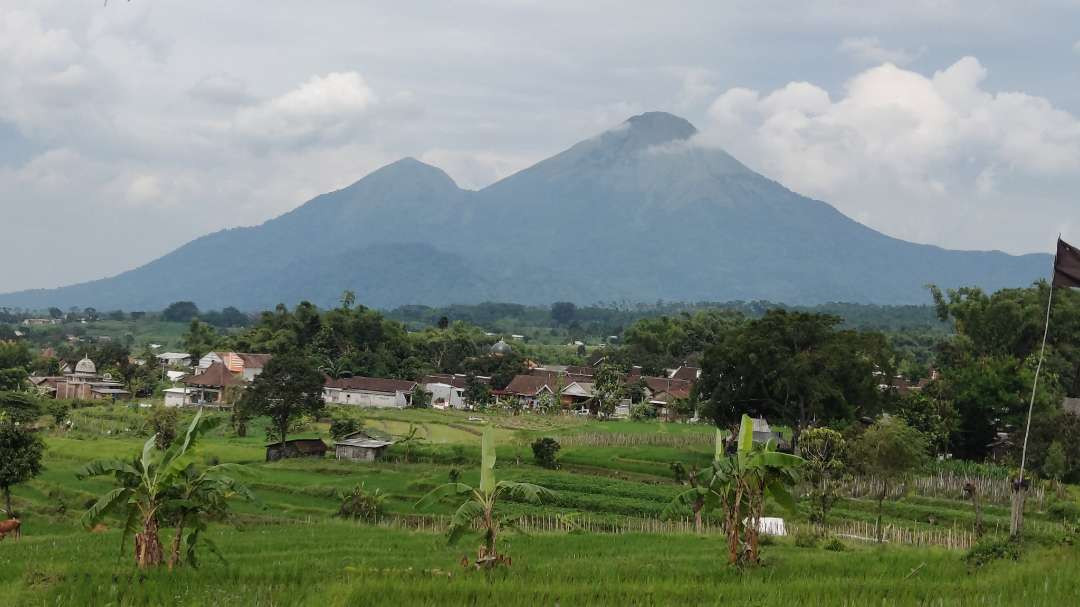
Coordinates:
(637, 213)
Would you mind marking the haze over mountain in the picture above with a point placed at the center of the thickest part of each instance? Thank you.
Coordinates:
(639, 213)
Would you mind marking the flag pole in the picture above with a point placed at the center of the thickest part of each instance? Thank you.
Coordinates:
(1017, 516)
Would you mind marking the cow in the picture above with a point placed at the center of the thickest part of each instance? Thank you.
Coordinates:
(13, 525)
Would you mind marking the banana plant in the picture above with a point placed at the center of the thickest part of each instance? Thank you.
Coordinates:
(762, 471)
(155, 484)
(706, 489)
(480, 504)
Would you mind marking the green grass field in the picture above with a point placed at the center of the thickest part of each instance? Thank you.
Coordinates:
(289, 549)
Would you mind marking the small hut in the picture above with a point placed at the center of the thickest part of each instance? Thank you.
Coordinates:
(297, 447)
(360, 446)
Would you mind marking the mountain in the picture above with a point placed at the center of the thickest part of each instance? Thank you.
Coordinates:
(640, 212)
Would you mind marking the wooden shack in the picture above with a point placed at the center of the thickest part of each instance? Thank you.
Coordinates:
(298, 447)
(360, 446)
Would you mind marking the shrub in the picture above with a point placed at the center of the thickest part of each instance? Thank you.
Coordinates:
(990, 549)
(835, 545)
(805, 539)
(162, 422)
(642, 412)
(454, 475)
(546, 451)
(342, 427)
(59, 410)
(363, 505)
(1064, 510)
(678, 470)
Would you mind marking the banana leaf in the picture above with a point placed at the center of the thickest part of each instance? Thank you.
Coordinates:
(487, 464)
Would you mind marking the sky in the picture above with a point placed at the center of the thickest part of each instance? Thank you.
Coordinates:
(128, 128)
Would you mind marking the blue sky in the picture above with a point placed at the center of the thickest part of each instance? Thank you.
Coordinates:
(131, 128)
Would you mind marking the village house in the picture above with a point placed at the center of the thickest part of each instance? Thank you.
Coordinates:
(179, 359)
(360, 446)
(210, 385)
(297, 447)
(246, 364)
(38, 322)
(180, 397)
(528, 389)
(369, 392)
(448, 390)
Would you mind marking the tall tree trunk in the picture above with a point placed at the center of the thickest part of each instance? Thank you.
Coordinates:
(174, 554)
(148, 551)
(732, 526)
(1016, 523)
(973, 492)
(698, 505)
(880, 509)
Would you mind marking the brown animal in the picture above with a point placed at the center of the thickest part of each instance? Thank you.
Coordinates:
(13, 525)
(99, 528)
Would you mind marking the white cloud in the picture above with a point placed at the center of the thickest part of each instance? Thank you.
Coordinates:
(472, 169)
(323, 108)
(868, 49)
(911, 154)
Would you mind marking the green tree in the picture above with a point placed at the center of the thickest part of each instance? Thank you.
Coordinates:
(1055, 466)
(420, 398)
(823, 450)
(199, 339)
(289, 386)
(546, 452)
(477, 392)
(21, 452)
(180, 311)
(562, 312)
(481, 503)
(15, 354)
(162, 422)
(793, 367)
(888, 452)
(607, 389)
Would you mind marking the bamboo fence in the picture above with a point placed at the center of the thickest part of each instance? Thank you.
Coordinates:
(615, 439)
(952, 538)
(945, 485)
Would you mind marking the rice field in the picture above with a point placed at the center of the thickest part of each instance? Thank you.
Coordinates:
(620, 549)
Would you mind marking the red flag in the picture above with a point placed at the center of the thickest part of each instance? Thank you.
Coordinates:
(1066, 265)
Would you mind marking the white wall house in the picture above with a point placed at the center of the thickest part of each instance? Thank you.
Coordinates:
(179, 397)
(248, 365)
(369, 392)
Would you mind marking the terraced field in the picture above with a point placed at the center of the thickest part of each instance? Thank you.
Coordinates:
(600, 540)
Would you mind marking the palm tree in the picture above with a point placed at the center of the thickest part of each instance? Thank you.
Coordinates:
(155, 484)
(480, 504)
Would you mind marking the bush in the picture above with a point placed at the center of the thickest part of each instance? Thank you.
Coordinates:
(1064, 510)
(342, 427)
(835, 545)
(642, 412)
(990, 549)
(546, 451)
(805, 539)
(363, 505)
(162, 422)
(454, 475)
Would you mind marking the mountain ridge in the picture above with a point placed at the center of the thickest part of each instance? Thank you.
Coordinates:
(639, 212)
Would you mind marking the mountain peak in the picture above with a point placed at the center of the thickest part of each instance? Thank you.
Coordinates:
(654, 128)
(410, 170)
